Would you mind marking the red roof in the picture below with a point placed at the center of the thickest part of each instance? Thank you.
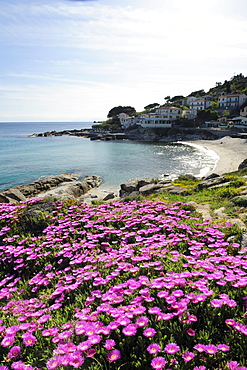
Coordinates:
(167, 107)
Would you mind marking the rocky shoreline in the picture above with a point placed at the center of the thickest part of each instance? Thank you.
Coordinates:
(64, 186)
(141, 134)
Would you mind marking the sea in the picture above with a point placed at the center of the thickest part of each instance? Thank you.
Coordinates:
(24, 159)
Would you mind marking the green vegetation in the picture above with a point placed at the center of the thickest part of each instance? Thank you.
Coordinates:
(117, 110)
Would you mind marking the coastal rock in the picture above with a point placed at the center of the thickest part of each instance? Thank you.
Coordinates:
(133, 185)
(151, 188)
(77, 189)
(12, 196)
(109, 196)
(211, 182)
(211, 176)
(144, 186)
(62, 187)
(222, 185)
(242, 165)
(240, 200)
(92, 181)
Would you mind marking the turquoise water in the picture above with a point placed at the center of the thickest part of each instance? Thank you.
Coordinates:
(24, 159)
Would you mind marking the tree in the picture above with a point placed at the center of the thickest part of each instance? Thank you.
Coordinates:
(151, 106)
(207, 114)
(198, 93)
(114, 112)
(167, 98)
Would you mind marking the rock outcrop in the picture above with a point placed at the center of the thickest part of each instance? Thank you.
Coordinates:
(61, 186)
(144, 186)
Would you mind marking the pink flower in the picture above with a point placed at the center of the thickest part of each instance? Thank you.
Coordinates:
(149, 332)
(114, 355)
(233, 365)
(29, 339)
(171, 348)
(90, 352)
(8, 341)
(130, 330)
(153, 348)
(75, 359)
(14, 352)
(223, 347)
(84, 346)
(200, 347)
(158, 363)
(142, 321)
(109, 344)
(211, 349)
(53, 363)
(187, 356)
(191, 332)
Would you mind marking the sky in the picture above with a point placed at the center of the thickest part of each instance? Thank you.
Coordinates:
(74, 60)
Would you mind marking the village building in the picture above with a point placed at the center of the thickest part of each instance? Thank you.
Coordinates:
(231, 101)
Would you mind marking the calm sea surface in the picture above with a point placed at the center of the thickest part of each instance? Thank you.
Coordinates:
(24, 159)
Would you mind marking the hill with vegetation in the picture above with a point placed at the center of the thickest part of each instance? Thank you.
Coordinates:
(236, 85)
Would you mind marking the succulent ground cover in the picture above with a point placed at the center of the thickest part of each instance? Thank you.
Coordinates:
(130, 285)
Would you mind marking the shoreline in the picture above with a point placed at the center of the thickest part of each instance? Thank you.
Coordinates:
(230, 151)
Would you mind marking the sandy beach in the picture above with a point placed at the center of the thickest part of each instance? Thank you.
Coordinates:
(231, 152)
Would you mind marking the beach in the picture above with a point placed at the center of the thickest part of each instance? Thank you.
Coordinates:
(231, 152)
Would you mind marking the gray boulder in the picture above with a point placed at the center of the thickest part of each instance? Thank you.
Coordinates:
(77, 189)
(60, 186)
(211, 182)
(151, 188)
(109, 196)
(240, 200)
(242, 165)
(92, 181)
(12, 196)
(133, 185)
(211, 176)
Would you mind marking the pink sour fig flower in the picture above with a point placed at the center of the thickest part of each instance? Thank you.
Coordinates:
(114, 355)
(53, 363)
(187, 356)
(171, 348)
(158, 363)
(211, 349)
(14, 352)
(223, 347)
(154, 348)
(109, 344)
(191, 332)
(29, 339)
(200, 347)
(142, 321)
(130, 330)
(149, 332)
(8, 341)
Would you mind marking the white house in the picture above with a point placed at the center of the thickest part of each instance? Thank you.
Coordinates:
(169, 112)
(239, 122)
(231, 101)
(163, 117)
(125, 120)
(201, 103)
(188, 100)
(189, 113)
